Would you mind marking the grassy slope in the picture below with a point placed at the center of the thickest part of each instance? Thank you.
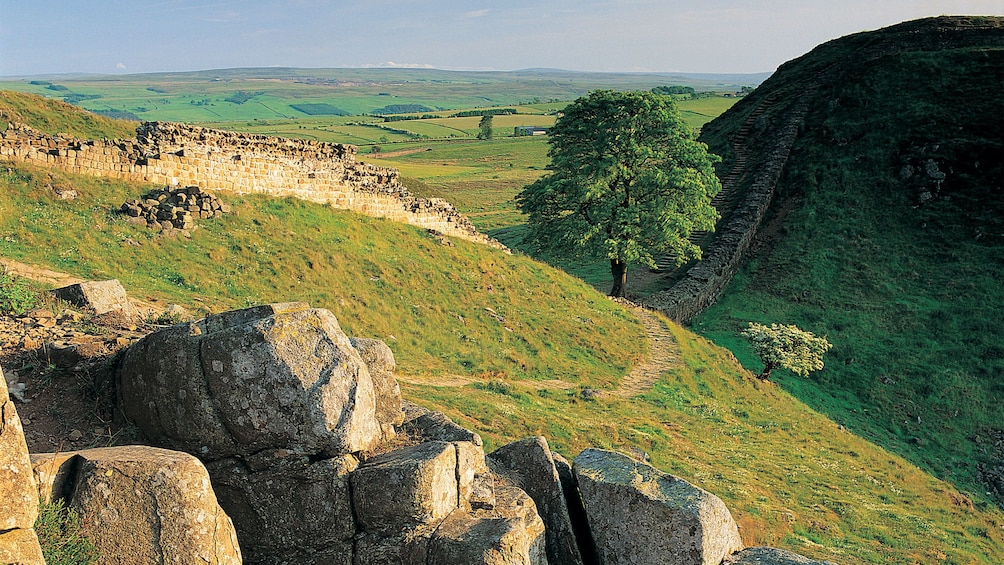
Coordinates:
(58, 117)
(908, 294)
(792, 477)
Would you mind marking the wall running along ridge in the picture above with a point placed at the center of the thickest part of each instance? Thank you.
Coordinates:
(794, 90)
(179, 154)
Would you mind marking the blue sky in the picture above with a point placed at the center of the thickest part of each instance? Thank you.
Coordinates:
(715, 36)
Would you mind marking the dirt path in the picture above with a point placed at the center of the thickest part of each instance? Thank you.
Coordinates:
(58, 280)
(400, 153)
(459, 380)
(663, 355)
(38, 274)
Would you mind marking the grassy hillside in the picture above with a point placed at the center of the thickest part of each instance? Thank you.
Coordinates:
(888, 238)
(512, 327)
(58, 117)
(462, 308)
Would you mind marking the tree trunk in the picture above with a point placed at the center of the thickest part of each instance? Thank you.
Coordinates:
(767, 369)
(618, 269)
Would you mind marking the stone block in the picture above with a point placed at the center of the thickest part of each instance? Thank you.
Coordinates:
(100, 296)
(409, 487)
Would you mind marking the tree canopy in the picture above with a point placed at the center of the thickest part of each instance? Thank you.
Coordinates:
(627, 181)
(788, 347)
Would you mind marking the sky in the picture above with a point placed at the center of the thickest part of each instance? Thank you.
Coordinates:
(692, 36)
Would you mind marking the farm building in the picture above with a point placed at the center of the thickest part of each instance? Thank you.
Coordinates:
(520, 131)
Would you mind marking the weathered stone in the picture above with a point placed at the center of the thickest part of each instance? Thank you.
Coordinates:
(18, 493)
(436, 426)
(282, 376)
(408, 487)
(463, 538)
(100, 296)
(408, 547)
(294, 511)
(380, 361)
(640, 515)
(20, 547)
(769, 556)
(475, 486)
(55, 475)
(149, 505)
(531, 459)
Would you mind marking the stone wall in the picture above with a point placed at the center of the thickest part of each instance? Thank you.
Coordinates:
(179, 154)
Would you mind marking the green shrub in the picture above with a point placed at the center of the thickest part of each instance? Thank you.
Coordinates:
(62, 537)
(16, 296)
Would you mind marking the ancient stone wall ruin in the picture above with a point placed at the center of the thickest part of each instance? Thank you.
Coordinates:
(179, 154)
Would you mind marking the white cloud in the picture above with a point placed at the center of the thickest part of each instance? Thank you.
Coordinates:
(120, 66)
(393, 65)
(477, 13)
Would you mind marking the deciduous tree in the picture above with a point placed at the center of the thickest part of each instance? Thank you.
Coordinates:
(787, 347)
(485, 127)
(627, 181)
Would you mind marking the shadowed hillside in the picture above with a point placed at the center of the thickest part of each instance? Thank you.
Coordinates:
(887, 236)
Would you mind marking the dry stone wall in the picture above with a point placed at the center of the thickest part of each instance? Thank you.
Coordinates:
(180, 154)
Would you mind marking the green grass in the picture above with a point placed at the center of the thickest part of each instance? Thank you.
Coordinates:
(62, 537)
(907, 293)
(380, 278)
(201, 96)
(57, 117)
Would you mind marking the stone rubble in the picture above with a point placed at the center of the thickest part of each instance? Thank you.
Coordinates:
(171, 208)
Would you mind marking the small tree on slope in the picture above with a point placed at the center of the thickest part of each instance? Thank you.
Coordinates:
(787, 347)
(627, 180)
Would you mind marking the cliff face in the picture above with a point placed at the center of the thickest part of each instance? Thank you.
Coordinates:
(179, 154)
(759, 135)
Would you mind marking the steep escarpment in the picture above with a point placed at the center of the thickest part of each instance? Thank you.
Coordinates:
(886, 236)
(758, 135)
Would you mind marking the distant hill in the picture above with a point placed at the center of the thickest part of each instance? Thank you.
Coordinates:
(209, 96)
(887, 236)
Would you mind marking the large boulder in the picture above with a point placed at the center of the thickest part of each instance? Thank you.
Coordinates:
(292, 512)
(769, 556)
(144, 505)
(530, 460)
(101, 297)
(275, 377)
(18, 493)
(640, 515)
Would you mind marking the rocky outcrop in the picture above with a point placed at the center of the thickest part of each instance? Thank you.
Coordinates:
(286, 412)
(289, 509)
(18, 493)
(278, 377)
(769, 556)
(269, 396)
(639, 515)
(101, 297)
(530, 462)
(142, 504)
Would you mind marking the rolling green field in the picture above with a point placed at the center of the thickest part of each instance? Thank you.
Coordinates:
(272, 94)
